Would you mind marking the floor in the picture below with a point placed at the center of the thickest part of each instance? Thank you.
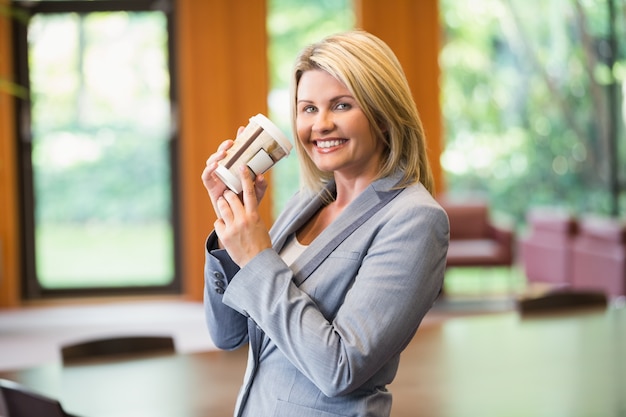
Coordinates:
(34, 335)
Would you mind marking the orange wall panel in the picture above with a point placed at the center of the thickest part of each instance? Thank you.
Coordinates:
(411, 28)
(9, 214)
(223, 80)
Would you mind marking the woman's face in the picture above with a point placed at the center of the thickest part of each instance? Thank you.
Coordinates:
(333, 129)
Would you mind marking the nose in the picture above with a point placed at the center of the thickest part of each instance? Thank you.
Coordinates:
(323, 121)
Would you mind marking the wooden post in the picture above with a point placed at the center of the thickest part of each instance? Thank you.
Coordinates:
(9, 211)
(411, 28)
(223, 80)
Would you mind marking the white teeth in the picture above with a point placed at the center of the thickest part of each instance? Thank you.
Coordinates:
(328, 143)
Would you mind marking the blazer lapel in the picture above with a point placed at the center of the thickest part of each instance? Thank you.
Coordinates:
(361, 209)
(303, 215)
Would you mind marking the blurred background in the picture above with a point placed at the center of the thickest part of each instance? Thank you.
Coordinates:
(110, 108)
(531, 99)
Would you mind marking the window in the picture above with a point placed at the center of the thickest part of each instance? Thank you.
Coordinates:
(97, 142)
(533, 104)
(287, 36)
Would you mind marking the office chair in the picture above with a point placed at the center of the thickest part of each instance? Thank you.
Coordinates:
(116, 347)
(19, 401)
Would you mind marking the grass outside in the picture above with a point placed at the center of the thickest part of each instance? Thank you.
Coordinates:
(84, 256)
(484, 281)
(142, 255)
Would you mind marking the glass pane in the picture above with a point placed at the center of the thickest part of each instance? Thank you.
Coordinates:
(100, 155)
(287, 36)
(527, 104)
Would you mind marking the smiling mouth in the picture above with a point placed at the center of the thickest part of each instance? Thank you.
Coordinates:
(325, 144)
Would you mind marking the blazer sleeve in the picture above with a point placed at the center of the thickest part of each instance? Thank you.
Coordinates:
(227, 327)
(395, 284)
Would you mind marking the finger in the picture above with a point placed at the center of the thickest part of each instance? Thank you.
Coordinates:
(211, 181)
(220, 228)
(227, 144)
(234, 206)
(260, 185)
(212, 160)
(225, 210)
(250, 202)
(219, 225)
(208, 170)
(220, 153)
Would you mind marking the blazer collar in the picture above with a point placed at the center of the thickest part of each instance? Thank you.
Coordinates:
(371, 196)
(307, 209)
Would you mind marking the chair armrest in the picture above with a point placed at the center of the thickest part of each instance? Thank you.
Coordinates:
(505, 236)
(501, 233)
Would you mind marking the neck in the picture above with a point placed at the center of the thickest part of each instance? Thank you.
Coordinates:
(348, 190)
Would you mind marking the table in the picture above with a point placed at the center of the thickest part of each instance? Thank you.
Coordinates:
(169, 385)
(552, 365)
(558, 365)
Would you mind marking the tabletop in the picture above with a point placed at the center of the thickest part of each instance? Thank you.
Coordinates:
(569, 365)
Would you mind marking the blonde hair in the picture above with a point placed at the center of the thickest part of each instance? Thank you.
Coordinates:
(374, 76)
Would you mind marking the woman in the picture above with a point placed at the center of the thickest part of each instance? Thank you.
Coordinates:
(329, 298)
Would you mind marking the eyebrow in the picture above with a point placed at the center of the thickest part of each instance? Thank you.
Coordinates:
(336, 98)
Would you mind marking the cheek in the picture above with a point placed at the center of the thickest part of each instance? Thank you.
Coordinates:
(303, 131)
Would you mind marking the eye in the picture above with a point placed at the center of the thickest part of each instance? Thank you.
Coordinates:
(343, 106)
(307, 109)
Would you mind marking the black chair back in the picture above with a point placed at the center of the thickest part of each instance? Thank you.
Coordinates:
(21, 402)
(117, 347)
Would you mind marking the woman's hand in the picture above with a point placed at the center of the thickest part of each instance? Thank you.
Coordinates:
(215, 186)
(240, 228)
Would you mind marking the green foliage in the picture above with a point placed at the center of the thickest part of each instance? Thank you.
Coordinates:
(525, 102)
(105, 174)
(293, 24)
(100, 118)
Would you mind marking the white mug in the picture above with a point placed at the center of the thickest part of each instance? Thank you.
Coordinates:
(259, 146)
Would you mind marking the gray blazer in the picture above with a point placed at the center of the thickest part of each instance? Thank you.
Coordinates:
(325, 335)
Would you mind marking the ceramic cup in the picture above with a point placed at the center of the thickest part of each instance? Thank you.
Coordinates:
(259, 146)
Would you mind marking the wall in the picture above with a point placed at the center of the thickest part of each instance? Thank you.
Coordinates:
(223, 80)
(9, 213)
(411, 28)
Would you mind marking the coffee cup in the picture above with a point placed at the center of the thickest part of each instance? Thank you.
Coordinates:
(259, 146)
